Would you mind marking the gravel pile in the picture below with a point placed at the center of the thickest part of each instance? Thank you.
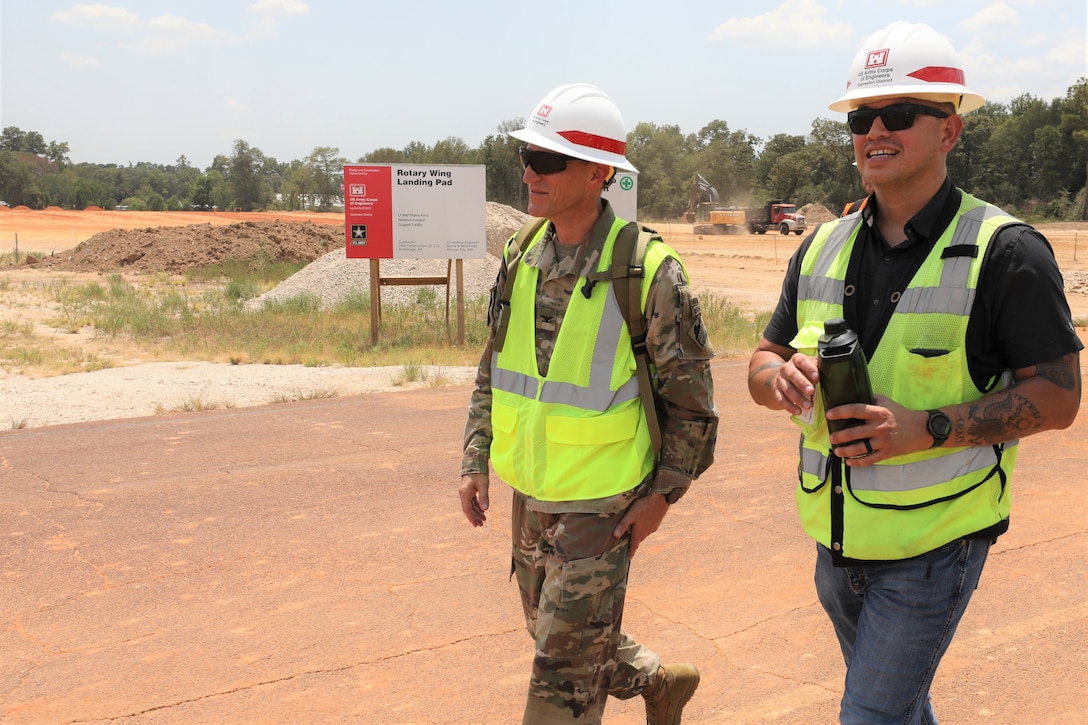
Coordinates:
(333, 278)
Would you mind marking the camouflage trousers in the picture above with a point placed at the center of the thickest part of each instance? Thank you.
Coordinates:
(572, 574)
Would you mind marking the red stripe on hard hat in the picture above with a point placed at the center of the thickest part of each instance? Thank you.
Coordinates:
(939, 74)
(582, 138)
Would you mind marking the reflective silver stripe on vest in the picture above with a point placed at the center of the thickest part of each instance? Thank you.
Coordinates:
(909, 476)
(598, 396)
(818, 287)
(509, 381)
(813, 462)
(952, 296)
(953, 300)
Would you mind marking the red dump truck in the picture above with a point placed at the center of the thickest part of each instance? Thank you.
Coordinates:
(776, 214)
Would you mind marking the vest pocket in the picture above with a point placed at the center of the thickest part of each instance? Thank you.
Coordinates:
(504, 424)
(593, 457)
(928, 377)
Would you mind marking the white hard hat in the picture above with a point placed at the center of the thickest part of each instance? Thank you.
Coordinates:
(907, 60)
(581, 121)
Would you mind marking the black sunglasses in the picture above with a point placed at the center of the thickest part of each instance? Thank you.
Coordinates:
(543, 162)
(899, 117)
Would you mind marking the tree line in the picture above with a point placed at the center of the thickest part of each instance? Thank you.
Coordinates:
(1029, 156)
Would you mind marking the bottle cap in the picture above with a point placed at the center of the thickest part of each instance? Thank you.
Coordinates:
(835, 326)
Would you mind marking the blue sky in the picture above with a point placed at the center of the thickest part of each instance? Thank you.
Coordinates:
(151, 80)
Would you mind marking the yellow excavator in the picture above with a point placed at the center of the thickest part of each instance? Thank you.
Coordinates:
(707, 214)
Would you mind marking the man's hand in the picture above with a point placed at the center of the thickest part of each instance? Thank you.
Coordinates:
(781, 379)
(474, 501)
(889, 429)
(642, 518)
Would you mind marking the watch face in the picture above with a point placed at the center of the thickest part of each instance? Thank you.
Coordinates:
(939, 424)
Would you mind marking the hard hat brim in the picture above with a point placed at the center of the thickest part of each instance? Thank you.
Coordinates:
(967, 102)
(595, 156)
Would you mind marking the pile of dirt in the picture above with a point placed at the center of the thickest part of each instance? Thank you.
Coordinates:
(817, 214)
(502, 223)
(1076, 281)
(175, 249)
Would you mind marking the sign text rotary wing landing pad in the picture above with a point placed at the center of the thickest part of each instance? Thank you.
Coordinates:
(415, 211)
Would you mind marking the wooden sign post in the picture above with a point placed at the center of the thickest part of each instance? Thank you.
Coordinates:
(377, 281)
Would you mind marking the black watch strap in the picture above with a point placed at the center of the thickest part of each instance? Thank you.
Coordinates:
(938, 426)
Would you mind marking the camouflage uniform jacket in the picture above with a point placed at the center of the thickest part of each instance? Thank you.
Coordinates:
(679, 350)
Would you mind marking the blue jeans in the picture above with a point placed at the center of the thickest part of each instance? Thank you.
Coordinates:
(894, 621)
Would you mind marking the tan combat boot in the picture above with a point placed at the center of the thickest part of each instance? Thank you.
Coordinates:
(666, 698)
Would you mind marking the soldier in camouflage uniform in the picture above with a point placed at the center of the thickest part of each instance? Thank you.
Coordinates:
(571, 557)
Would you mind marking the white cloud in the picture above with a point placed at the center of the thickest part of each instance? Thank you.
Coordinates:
(98, 16)
(1000, 77)
(79, 61)
(999, 14)
(280, 7)
(1071, 52)
(267, 14)
(1036, 39)
(801, 21)
(171, 33)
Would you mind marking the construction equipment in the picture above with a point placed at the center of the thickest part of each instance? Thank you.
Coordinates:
(707, 214)
(775, 214)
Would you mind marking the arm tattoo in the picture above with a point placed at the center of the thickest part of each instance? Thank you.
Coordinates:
(773, 365)
(1061, 372)
(1009, 414)
(1001, 418)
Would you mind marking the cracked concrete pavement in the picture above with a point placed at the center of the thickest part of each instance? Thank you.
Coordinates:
(308, 562)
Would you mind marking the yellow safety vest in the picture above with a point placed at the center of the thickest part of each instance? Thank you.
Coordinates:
(910, 504)
(578, 433)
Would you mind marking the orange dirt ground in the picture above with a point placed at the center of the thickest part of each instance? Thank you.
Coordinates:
(746, 268)
(308, 562)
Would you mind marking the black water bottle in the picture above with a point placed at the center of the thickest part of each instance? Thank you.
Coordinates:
(844, 375)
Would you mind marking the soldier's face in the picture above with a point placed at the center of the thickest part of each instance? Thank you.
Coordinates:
(556, 194)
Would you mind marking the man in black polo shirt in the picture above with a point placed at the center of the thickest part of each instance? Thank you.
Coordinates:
(962, 317)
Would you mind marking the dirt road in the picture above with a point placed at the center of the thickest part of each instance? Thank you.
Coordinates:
(308, 562)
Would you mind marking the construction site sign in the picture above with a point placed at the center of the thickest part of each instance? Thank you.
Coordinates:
(415, 211)
(623, 195)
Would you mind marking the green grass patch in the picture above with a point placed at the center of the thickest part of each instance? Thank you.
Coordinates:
(209, 325)
(194, 319)
(9, 257)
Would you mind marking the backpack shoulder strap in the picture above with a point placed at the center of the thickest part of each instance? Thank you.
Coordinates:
(512, 255)
(626, 274)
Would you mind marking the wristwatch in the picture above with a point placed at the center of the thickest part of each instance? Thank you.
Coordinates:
(938, 426)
